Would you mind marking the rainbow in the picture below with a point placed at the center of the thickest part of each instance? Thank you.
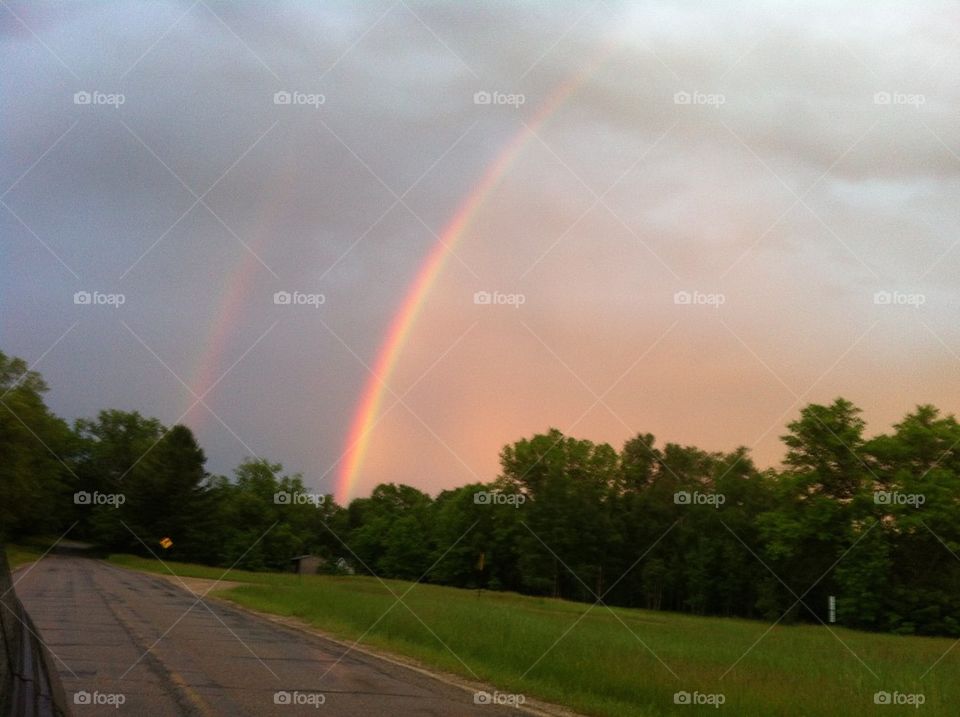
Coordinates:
(210, 366)
(399, 330)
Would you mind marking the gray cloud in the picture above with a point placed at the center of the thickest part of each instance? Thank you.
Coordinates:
(305, 198)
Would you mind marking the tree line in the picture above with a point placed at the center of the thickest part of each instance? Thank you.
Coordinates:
(872, 521)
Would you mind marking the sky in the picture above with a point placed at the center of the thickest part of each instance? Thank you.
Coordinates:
(688, 219)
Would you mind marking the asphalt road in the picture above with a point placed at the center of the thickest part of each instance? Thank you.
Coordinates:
(125, 642)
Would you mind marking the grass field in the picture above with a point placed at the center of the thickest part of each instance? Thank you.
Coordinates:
(603, 666)
(20, 554)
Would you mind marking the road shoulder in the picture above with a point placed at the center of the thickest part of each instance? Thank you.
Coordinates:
(201, 586)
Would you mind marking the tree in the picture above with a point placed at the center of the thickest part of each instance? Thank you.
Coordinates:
(264, 529)
(568, 484)
(37, 479)
(914, 501)
(166, 495)
(823, 447)
(390, 532)
(111, 451)
(815, 519)
(875, 523)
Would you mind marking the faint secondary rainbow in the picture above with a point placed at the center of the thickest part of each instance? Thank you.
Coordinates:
(366, 415)
(228, 315)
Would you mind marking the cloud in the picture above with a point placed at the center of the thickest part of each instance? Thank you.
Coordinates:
(795, 160)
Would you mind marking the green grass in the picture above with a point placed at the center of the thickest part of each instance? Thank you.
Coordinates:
(602, 666)
(21, 554)
(191, 570)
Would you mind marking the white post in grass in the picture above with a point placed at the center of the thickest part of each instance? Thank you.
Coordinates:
(832, 608)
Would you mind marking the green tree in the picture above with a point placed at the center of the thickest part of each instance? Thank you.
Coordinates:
(37, 477)
(815, 520)
(166, 495)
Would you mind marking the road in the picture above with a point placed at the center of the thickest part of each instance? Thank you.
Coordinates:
(126, 642)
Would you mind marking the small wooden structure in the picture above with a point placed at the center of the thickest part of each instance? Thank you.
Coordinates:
(307, 564)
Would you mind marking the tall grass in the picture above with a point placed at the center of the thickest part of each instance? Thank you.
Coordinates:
(612, 662)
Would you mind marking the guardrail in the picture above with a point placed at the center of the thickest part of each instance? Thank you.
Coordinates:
(29, 683)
